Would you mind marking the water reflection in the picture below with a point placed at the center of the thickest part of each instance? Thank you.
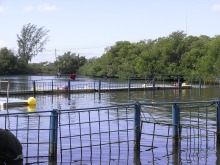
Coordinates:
(174, 153)
(218, 150)
(176, 156)
(31, 108)
(85, 100)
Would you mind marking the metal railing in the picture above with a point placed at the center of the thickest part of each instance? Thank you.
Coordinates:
(69, 86)
(117, 132)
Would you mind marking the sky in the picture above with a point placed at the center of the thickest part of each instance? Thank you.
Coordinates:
(87, 27)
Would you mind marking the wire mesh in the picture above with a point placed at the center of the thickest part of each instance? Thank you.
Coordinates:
(106, 134)
(101, 128)
(32, 130)
(197, 141)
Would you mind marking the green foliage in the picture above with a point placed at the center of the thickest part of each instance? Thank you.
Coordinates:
(8, 62)
(31, 41)
(11, 64)
(41, 68)
(92, 67)
(69, 62)
(196, 50)
(174, 54)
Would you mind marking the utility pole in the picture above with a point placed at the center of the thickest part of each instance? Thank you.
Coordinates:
(55, 54)
(186, 23)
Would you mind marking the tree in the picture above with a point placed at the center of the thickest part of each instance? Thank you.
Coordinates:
(209, 63)
(173, 49)
(8, 62)
(120, 59)
(92, 67)
(69, 62)
(174, 54)
(31, 41)
(195, 50)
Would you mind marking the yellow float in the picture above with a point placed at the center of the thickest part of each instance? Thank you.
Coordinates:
(31, 108)
(31, 101)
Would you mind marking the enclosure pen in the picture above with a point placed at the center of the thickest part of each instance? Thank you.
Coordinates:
(123, 133)
(94, 130)
(55, 86)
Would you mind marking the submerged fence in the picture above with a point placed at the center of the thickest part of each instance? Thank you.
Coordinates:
(130, 133)
(70, 86)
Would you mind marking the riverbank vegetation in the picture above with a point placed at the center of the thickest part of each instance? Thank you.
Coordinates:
(176, 54)
(11, 64)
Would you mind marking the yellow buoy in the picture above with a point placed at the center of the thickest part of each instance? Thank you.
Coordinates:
(31, 108)
(86, 87)
(31, 101)
(183, 84)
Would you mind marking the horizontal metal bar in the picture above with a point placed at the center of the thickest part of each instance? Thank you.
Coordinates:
(86, 146)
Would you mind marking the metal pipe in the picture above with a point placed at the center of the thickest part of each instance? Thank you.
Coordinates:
(53, 135)
(175, 120)
(137, 126)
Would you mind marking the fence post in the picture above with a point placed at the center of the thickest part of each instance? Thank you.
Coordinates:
(34, 87)
(218, 117)
(52, 86)
(153, 83)
(53, 135)
(129, 85)
(175, 120)
(137, 126)
(200, 83)
(68, 86)
(109, 84)
(99, 89)
(179, 82)
(94, 86)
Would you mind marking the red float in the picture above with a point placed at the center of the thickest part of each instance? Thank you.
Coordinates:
(73, 76)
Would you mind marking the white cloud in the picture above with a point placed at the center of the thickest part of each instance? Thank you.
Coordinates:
(3, 44)
(2, 9)
(29, 8)
(216, 7)
(47, 7)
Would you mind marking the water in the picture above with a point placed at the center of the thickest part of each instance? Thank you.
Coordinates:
(88, 100)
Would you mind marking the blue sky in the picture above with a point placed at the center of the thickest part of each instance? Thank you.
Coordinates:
(87, 27)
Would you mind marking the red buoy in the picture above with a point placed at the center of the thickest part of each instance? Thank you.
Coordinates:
(73, 76)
